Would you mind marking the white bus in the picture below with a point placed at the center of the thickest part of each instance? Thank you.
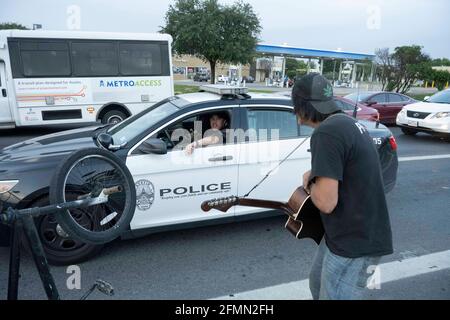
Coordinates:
(60, 77)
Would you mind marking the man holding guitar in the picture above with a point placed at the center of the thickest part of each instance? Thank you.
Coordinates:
(345, 184)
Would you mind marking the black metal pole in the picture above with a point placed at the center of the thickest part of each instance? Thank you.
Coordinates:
(14, 261)
(39, 258)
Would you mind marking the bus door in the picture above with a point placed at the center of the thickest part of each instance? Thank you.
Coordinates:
(5, 111)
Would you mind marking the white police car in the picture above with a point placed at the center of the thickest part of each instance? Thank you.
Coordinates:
(170, 183)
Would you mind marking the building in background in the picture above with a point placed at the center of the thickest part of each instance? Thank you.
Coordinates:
(186, 66)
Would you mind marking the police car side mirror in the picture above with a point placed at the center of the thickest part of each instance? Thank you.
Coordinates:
(153, 146)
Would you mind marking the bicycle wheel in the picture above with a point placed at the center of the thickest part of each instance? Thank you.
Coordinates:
(87, 172)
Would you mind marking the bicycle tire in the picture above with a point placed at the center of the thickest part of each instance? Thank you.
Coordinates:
(89, 170)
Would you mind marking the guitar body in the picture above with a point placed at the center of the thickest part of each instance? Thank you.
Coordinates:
(306, 222)
(304, 218)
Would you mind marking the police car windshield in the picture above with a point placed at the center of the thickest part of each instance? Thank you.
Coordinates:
(136, 125)
(440, 97)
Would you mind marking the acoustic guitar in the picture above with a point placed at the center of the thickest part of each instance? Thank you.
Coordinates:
(304, 218)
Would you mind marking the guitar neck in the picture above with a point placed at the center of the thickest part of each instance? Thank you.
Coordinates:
(266, 204)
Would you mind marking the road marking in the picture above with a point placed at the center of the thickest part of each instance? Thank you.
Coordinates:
(389, 272)
(405, 159)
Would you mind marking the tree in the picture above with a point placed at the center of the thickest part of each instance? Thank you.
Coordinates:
(12, 25)
(295, 67)
(213, 32)
(399, 70)
(440, 62)
(385, 68)
(440, 77)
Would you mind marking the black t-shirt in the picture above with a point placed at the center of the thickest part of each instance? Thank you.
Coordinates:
(342, 149)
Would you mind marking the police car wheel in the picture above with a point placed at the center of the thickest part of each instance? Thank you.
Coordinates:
(88, 172)
(59, 248)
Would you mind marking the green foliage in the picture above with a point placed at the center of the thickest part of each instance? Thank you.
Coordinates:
(213, 32)
(295, 68)
(441, 62)
(399, 70)
(12, 25)
(440, 77)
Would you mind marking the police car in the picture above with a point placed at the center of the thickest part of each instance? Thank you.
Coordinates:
(171, 184)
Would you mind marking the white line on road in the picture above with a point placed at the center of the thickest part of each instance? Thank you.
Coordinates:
(391, 271)
(442, 156)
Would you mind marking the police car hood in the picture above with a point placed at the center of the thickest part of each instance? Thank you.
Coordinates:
(56, 144)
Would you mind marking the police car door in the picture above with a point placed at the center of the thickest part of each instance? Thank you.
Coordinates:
(272, 133)
(171, 188)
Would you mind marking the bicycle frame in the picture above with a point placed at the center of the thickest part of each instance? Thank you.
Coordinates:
(22, 222)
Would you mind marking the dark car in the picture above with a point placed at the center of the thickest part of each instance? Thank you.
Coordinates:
(171, 185)
(363, 112)
(388, 104)
(248, 79)
(200, 77)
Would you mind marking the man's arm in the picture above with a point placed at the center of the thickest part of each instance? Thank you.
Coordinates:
(324, 192)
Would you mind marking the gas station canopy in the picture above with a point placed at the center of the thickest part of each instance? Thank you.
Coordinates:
(279, 50)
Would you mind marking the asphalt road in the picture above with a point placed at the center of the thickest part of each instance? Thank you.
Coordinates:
(259, 259)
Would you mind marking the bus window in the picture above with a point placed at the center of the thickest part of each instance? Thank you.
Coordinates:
(93, 59)
(45, 59)
(140, 59)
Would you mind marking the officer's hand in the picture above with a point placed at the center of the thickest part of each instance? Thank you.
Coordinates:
(190, 149)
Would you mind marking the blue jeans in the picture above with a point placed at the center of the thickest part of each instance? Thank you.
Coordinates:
(334, 277)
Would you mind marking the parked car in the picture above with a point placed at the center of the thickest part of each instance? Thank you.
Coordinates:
(222, 79)
(348, 106)
(388, 104)
(363, 112)
(171, 185)
(430, 116)
(200, 77)
(248, 79)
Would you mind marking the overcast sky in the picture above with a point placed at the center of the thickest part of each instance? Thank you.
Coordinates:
(350, 25)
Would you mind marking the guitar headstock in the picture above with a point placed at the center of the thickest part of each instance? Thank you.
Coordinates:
(222, 204)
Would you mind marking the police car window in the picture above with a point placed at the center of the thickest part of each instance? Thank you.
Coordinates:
(137, 125)
(189, 129)
(306, 131)
(273, 124)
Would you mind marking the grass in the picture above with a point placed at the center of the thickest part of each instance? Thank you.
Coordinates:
(182, 89)
(260, 91)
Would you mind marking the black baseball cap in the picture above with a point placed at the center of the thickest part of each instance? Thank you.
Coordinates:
(317, 90)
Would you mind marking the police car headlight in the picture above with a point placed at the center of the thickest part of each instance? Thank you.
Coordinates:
(5, 186)
(402, 113)
(441, 115)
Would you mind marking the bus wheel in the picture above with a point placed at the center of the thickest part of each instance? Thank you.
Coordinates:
(113, 117)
